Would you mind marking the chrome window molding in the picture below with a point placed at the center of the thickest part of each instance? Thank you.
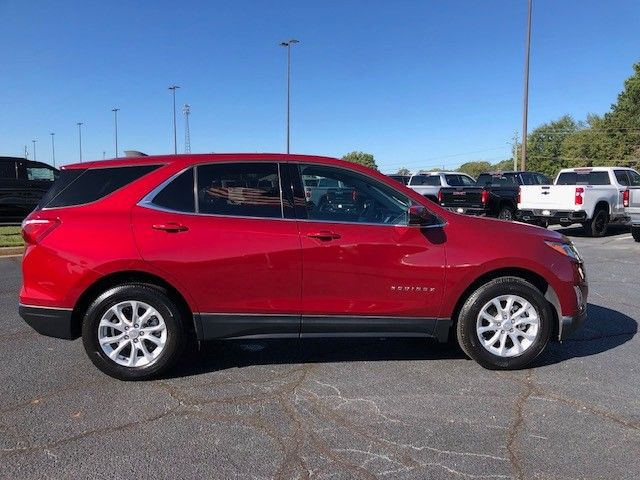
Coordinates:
(147, 202)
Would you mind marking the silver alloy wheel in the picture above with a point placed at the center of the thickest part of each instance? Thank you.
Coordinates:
(507, 325)
(132, 334)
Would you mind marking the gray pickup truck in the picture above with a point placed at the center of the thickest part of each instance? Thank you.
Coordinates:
(429, 184)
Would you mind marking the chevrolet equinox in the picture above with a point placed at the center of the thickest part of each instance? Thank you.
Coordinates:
(135, 255)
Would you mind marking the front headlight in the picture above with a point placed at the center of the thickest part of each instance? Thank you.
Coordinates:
(567, 249)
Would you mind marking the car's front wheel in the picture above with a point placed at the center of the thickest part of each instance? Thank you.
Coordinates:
(504, 324)
(133, 332)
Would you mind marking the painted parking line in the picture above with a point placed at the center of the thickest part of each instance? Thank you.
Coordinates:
(624, 237)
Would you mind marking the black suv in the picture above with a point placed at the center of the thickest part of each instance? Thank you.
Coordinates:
(22, 184)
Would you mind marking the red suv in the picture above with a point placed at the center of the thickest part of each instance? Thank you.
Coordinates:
(135, 254)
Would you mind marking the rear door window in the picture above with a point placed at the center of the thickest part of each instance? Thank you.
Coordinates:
(621, 177)
(80, 186)
(244, 189)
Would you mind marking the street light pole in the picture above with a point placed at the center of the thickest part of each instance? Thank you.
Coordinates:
(53, 149)
(288, 44)
(115, 114)
(80, 138)
(173, 89)
(525, 106)
(34, 150)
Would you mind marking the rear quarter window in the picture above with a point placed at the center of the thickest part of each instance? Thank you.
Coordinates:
(77, 187)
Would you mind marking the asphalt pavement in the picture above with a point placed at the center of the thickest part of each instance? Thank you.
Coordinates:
(339, 409)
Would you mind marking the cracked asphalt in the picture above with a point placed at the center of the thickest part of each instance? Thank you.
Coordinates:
(340, 409)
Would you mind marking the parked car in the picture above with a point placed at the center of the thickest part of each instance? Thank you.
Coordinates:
(22, 184)
(135, 255)
(593, 197)
(403, 179)
(429, 184)
(493, 195)
(631, 199)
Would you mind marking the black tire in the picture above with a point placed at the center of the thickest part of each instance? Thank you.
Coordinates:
(635, 233)
(156, 298)
(468, 338)
(506, 213)
(597, 226)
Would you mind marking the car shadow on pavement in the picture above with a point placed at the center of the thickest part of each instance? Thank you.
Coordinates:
(604, 329)
(216, 356)
(578, 231)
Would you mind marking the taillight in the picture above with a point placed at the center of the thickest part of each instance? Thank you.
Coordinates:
(579, 195)
(34, 230)
(625, 198)
(439, 196)
(307, 193)
(484, 197)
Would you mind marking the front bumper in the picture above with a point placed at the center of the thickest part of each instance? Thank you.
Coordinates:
(570, 324)
(49, 321)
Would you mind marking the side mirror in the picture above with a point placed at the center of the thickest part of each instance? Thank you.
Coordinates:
(420, 216)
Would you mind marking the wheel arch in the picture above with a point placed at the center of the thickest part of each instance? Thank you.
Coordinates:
(602, 204)
(119, 278)
(530, 276)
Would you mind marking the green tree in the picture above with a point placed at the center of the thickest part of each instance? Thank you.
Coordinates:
(362, 158)
(475, 168)
(503, 166)
(404, 171)
(544, 145)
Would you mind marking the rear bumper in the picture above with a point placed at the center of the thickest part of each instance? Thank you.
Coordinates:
(52, 322)
(552, 217)
(634, 216)
(479, 212)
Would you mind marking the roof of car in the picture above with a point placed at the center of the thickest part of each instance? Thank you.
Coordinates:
(189, 159)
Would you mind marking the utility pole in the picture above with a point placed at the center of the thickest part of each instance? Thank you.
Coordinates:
(34, 150)
(53, 149)
(525, 107)
(288, 45)
(80, 139)
(173, 89)
(515, 151)
(115, 115)
(186, 110)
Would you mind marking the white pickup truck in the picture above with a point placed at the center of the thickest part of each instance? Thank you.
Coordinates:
(632, 203)
(429, 184)
(594, 197)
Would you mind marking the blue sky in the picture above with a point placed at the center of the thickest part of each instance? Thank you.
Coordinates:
(417, 83)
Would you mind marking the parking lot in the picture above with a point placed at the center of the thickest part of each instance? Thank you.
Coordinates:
(370, 408)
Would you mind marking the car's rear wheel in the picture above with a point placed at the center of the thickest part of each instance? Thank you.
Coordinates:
(635, 233)
(506, 213)
(133, 332)
(504, 324)
(597, 226)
